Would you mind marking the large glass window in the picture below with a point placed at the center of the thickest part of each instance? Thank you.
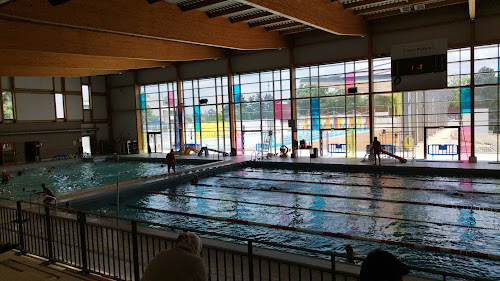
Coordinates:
(262, 110)
(206, 109)
(8, 106)
(332, 104)
(160, 120)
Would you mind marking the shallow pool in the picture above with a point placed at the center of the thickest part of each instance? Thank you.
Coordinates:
(69, 177)
(359, 205)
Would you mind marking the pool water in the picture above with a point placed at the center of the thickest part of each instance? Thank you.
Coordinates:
(331, 202)
(74, 176)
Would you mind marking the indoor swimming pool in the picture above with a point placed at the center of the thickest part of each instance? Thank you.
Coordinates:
(328, 210)
(64, 177)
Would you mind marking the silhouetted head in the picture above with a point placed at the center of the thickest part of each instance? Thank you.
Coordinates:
(381, 265)
(375, 138)
(189, 242)
(44, 186)
(171, 151)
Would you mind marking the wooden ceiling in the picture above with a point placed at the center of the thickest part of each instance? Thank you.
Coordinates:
(92, 37)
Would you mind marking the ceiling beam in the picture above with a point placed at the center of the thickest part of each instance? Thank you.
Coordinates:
(268, 21)
(283, 26)
(162, 21)
(25, 36)
(472, 9)
(39, 59)
(225, 12)
(294, 30)
(13, 71)
(250, 17)
(390, 6)
(360, 4)
(200, 4)
(427, 7)
(333, 18)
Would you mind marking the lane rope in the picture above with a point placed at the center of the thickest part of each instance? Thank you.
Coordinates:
(467, 207)
(368, 177)
(318, 210)
(366, 185)
(330, 234)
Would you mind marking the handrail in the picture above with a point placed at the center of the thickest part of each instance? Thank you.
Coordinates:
(251, 155)
(247, 240)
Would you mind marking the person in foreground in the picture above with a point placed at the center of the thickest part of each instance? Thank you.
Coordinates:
(381, 265)
(182, 263)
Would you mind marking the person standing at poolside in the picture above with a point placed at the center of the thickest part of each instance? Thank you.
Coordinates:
(376, 148)
(171, 161)
(49, 195)
(116, 157)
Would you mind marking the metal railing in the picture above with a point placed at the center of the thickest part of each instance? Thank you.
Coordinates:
(121, 250)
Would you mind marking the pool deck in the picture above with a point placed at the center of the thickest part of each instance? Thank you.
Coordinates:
(435, 167)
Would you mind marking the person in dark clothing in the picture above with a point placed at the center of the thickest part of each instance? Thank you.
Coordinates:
(171, 161)
(381, 265)
(376, 148)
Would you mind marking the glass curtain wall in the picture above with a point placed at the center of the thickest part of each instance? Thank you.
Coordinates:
(206, 109)
(158, 110)
(329, 115)
(262, 110)
(486, 96)
(432, 124)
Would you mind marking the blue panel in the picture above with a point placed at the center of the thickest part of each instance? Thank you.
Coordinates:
(237, 93)
(315, 108)
(315, 123)
(142, 101)
(197, 114)
(464, 100)
(197, 118)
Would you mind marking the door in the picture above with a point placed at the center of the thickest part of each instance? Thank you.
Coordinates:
(86, 145)
(442, 143)
(154, 142)
(333, 143)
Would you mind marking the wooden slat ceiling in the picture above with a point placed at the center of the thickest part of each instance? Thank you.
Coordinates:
(236, 11)
(106, 36)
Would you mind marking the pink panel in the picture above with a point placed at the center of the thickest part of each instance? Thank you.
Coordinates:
(465, 143)
(277, 110)
(171, 99)
(239, 143)
(286, 110)
(349, 81)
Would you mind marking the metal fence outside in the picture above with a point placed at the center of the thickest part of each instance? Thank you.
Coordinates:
(123, 251)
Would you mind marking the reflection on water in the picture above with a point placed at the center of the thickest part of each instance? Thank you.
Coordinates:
(473, 230)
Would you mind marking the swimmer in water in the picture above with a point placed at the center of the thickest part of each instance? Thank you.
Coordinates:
(350, 253)
(194, 180)
(274, 188)
(5, 176)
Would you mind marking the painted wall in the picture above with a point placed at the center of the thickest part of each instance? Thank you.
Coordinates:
(35, 118)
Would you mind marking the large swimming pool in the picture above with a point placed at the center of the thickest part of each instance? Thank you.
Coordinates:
(452, 213)
(73, 176)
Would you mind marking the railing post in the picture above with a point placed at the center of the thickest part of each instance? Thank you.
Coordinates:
(20, 228)
(250, 261)
(136, 251)
(48, 230)
(334, 270)
(82, 221)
